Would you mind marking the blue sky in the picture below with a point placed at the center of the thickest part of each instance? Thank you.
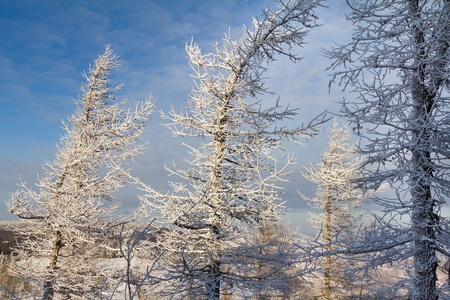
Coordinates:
(45, 45)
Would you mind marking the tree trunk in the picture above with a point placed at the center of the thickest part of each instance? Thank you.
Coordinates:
(423, 217)
(327, 240)
(213, 286)
(49, 290)
(423, 223)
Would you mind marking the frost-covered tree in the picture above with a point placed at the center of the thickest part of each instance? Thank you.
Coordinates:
(339, 198)
(72, 211)
(270, 239)
(398, 65)
(232, 181)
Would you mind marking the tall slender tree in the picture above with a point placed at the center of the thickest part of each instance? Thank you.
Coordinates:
(272, 238)
(71, 211)
(233, 178)
(339, 198)
(398, 65)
